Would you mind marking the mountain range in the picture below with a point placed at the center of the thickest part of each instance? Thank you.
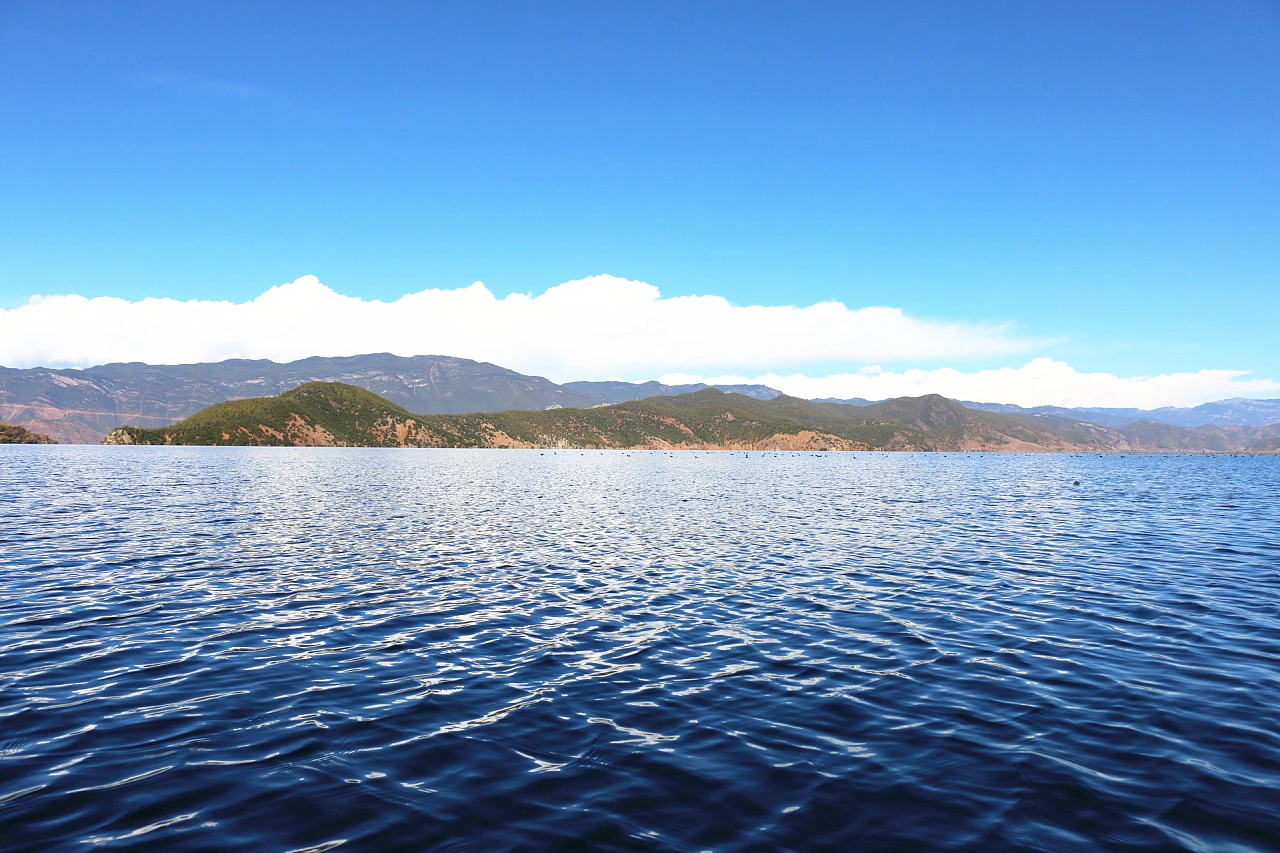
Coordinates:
(336, 414)
(1234, 412)
(82, 406)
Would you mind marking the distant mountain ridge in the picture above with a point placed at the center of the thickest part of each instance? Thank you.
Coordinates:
(84, 405)
(622, 392)
(329, 413)
(1237, 411)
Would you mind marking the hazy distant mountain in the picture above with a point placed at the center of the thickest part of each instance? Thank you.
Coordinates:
(847, 401)
(83, 405)
(622, 392)
(1235, 412)
(756, 392)
(330, 413)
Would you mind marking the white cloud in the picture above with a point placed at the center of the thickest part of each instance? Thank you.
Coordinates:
(591, 328)
(1040, 382)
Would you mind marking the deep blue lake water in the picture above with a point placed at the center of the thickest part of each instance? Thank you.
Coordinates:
(280, 650)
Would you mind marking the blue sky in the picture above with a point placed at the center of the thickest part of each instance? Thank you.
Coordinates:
(1106, 176)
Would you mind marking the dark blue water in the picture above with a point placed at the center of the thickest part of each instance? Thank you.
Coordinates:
(283, 650)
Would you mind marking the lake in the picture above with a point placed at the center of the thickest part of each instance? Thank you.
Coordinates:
(311, 649)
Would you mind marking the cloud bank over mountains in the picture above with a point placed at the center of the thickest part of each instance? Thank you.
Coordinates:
(593, 328)
(1040, 382)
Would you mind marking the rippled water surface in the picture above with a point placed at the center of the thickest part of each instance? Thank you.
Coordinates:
(277, 650)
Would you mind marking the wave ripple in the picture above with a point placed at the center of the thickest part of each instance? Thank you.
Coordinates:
(311, 650)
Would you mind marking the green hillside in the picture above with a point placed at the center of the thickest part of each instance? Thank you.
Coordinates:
(332, 413)
(314, 413)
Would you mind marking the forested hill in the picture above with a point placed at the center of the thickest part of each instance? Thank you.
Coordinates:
(327, 413)
(10, 434)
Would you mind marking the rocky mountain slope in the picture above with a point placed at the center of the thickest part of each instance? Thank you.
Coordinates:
(319, 413)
